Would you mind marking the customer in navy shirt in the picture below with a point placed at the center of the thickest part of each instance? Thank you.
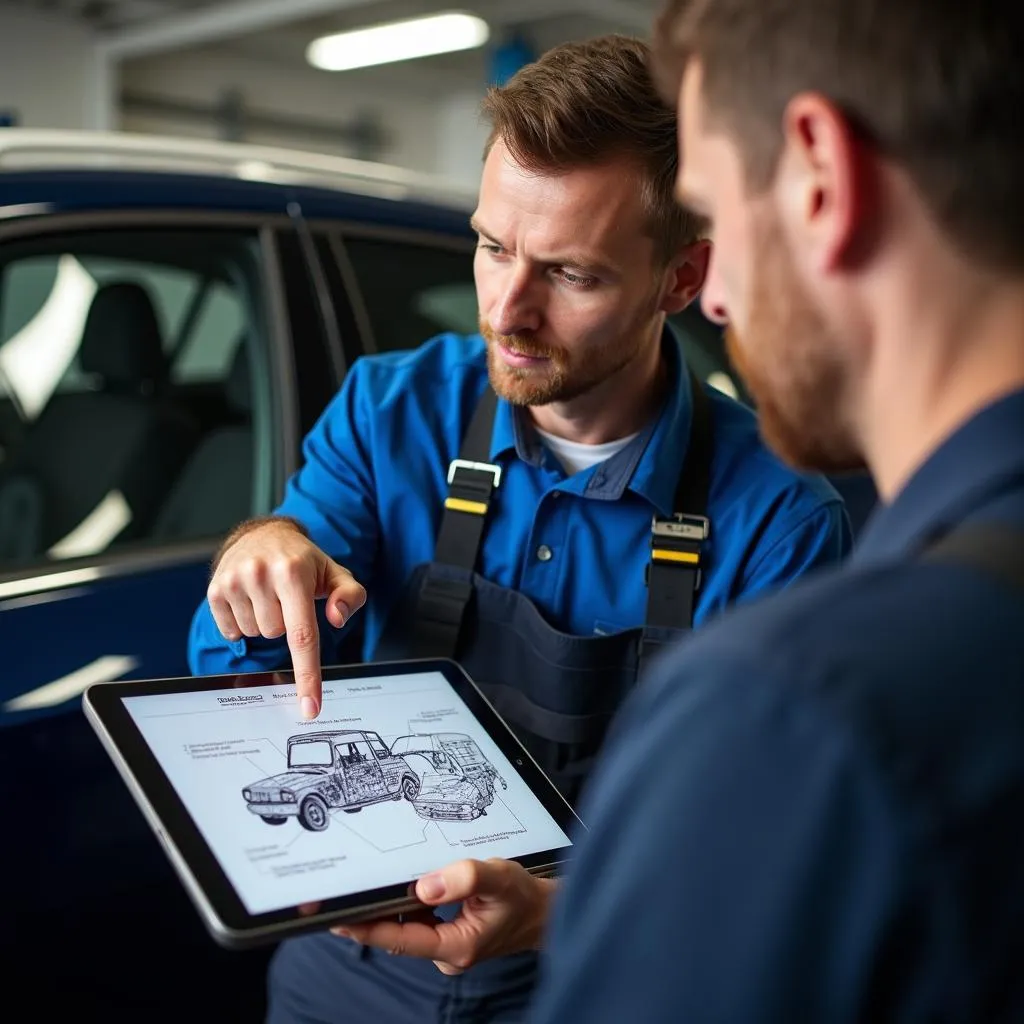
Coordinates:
(814, 810)
(532, 509)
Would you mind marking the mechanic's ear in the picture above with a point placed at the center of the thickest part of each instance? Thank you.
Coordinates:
(685, 276)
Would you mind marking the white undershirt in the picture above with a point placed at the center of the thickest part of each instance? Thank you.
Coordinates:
(575, 456)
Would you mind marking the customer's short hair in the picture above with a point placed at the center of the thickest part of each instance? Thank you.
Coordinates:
(937, 86)
(584, 103)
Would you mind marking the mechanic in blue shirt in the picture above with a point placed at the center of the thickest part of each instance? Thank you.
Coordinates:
(535, 501)
(814, 809)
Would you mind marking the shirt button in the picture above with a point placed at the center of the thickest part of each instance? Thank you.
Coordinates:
(544, 553)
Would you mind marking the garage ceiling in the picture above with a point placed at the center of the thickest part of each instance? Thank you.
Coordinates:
(279, 30)
(268, 39)
(109, 14)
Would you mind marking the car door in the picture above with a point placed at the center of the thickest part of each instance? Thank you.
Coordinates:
(124, 464)
(107, 525)
(364, 780)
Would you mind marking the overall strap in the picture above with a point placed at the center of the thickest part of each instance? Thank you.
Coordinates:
(674, 571)
(994, 548)
(472, 481)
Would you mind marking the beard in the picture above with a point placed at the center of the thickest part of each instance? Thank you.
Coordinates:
(563, 376)
(793, 367)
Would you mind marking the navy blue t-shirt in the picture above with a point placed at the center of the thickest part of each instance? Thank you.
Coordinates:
(813, 810)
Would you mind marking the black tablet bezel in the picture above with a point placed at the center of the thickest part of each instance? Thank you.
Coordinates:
(209, 886)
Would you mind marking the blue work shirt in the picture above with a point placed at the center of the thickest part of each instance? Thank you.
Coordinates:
(814, 809)
(374, 479)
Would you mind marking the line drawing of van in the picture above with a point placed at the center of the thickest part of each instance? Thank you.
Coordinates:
(456, 780)
(331, 770)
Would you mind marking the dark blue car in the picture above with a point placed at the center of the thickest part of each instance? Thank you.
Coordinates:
(173, 318)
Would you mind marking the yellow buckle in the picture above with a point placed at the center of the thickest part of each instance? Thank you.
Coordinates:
(477, 508)
(664, 555)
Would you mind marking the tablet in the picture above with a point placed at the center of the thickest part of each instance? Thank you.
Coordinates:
(277, 825)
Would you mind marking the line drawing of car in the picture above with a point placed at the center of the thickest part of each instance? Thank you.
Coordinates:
(456, 780)
(331, 770)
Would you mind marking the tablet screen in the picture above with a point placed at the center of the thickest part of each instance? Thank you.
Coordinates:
(395, 777)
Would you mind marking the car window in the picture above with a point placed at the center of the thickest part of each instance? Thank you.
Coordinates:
(413, 291)
(206, 351)
(357, 753)
(378, 748)
(132, 373)
(311, 754)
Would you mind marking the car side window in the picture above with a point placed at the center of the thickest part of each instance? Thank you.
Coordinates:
(358, 753)
(127, 405)
(413, 290)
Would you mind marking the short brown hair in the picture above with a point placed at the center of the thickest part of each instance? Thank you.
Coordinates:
(935, 85)
(583, 103)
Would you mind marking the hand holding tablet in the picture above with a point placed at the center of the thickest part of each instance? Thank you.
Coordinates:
(277, 825)
(503, 910)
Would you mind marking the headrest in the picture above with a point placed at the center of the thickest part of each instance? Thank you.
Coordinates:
(238, 385)
(121, 338)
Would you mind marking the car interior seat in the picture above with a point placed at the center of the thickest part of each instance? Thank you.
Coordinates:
(214, 489)
(99, 461)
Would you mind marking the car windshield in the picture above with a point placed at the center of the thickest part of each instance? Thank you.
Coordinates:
(310, 754)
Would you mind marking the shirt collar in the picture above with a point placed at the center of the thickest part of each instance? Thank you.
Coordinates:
(962, 474)
(511, 434)
(649, 465)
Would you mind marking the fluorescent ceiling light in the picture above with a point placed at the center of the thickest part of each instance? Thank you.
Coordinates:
(399, 40)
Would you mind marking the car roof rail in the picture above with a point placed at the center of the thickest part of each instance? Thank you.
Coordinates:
(39, 148)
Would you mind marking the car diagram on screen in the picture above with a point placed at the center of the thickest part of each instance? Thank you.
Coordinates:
(456, 780)
(445, 776)
(331, 770)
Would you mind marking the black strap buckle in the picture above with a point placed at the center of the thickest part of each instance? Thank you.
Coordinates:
(471, 486)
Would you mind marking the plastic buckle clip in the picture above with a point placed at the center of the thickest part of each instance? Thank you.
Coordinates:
(479, 467)
(681, 526)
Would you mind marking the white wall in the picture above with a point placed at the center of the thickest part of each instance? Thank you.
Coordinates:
(50, 74)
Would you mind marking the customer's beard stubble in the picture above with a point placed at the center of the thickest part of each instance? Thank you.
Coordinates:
(793, 367)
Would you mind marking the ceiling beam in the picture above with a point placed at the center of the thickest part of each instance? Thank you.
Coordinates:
(232, 18)
(214, 24)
